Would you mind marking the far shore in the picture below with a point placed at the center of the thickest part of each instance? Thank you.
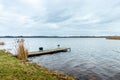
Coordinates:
(53, 36)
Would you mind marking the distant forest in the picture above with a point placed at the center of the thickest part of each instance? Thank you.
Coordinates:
(56, 36)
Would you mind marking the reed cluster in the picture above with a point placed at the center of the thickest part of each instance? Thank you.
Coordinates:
(22, 52)
(113, 37)
(2, 43)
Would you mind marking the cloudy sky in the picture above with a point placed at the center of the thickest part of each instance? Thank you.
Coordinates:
(59, 17)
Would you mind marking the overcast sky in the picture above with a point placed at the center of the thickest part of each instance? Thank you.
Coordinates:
(59, 17)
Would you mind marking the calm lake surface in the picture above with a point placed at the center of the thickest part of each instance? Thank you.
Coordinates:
(96, 58)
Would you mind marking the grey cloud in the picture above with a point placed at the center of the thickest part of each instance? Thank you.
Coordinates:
(59, 16)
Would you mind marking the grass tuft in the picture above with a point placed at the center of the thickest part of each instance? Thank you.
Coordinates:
(22, 52)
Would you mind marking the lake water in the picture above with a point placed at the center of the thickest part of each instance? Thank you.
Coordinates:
(95, 58)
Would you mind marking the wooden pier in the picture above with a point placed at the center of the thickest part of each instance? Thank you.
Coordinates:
(50, 51)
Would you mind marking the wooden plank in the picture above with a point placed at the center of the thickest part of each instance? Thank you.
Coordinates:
(51, 51)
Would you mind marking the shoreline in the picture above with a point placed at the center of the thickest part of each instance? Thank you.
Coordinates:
(29, 69)
(53, 36)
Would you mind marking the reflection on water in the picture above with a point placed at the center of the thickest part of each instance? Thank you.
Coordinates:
(90, 58)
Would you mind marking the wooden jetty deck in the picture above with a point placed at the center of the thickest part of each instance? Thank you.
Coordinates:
(50, 51)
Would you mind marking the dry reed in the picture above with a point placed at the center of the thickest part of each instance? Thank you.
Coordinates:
(22, 52)
(2, 43)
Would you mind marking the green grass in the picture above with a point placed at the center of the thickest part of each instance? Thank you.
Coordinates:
(13, 69)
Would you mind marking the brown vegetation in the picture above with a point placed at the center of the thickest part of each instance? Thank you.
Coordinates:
(113, 37)
(22, 52)
(2, 43)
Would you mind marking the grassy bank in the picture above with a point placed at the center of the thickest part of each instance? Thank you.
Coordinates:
(13, 69)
